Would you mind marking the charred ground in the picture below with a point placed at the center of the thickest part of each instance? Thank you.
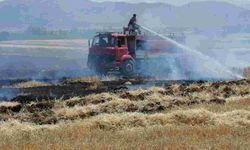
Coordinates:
(96, 114)
(81, 98)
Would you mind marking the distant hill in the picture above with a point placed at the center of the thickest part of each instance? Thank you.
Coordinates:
(58, 14)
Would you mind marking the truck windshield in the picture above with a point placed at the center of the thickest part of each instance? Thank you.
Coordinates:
(103, 41)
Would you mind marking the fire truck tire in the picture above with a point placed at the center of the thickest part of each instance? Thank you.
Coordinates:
(128, 67)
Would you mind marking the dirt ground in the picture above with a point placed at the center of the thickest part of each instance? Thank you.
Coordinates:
(123, 114)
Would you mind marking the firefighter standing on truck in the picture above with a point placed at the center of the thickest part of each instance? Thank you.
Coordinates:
(132, 24)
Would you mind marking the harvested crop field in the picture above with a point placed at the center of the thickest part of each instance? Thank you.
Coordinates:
(39, 59)
(127, 114)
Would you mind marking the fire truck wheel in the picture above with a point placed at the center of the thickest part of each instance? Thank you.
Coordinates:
(128, 67)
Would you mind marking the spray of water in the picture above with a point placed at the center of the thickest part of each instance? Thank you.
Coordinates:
(209, 64)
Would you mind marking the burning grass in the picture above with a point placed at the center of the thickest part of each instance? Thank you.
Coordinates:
(93, 81)
(31, 84)
(88, 79)
(179, 116)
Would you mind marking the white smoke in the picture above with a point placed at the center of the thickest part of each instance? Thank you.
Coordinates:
(196, 65)
(7, 94)
(232, 50)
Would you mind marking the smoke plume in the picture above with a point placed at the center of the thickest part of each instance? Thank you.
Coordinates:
(187, 63)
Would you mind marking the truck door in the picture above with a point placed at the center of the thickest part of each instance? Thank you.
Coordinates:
(104, 50)
(97, 46)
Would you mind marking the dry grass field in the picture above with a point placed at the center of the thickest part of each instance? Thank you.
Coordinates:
(194, 116)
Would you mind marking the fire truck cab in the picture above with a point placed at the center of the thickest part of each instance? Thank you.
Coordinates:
(112, 52)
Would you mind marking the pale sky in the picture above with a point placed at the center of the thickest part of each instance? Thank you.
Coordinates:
(182, 2)
(244, 3)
